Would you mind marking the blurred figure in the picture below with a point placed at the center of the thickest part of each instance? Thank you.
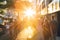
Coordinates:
(53, 28)
(46, 28)
(3, 29)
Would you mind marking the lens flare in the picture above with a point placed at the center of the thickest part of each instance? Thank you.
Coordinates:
(29, 13)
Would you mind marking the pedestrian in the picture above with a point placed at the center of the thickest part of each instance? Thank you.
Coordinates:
(53, 28)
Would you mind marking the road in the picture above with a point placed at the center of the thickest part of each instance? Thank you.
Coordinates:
(24, 36)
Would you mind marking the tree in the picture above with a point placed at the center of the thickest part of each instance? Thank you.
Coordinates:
(9, 3)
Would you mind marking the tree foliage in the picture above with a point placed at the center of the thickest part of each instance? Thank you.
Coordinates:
(9, 4)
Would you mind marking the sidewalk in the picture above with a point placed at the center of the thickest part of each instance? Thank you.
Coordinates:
(57, 38)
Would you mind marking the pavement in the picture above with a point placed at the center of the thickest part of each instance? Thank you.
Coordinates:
(57, 38)
(6, 37)
(24, 36)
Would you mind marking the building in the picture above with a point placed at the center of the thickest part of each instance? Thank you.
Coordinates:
(49, 8)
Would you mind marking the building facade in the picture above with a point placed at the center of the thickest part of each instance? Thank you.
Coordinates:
(48, 9)
(48, 6)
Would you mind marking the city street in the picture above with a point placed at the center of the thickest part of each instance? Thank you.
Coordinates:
(29, 19)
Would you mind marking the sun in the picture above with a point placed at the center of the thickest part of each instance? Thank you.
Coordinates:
(29, 12)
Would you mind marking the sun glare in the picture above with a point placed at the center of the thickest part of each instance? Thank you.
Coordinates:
(29, 13)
